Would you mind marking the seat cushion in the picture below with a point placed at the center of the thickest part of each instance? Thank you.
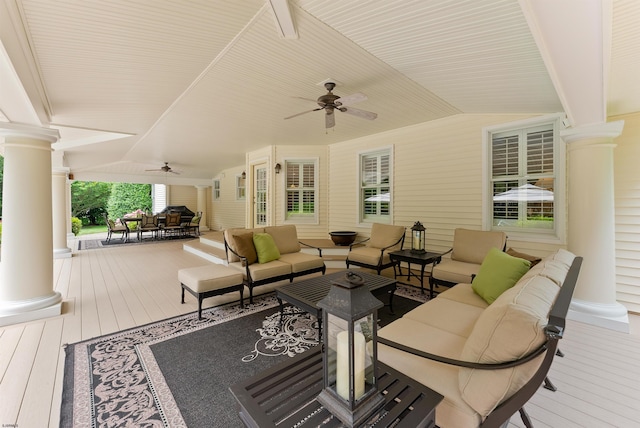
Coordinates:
(453, 411)
(499, 272)
(463, 293)
(260, 271)
(472, 246)
(211, 277)
(301, 262)
(366, 255)
(447, 315)
(510, 328)
(285, 237)
(266, 248)
(455, 271)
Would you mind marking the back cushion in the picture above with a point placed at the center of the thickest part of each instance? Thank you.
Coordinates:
(228, 237)
(383, 235)
(472, 246)
(285, 237)
(510, 328)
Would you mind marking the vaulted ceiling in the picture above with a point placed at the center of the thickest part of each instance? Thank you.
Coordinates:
(134, 83)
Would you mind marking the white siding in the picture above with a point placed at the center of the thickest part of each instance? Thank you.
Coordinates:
(437, 178)
(627, 205)
(228, 212)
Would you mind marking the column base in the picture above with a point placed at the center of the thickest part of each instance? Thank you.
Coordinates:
(30, 310)
(62, 253)
(611, 316)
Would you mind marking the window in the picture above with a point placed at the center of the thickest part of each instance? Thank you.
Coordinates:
(526, 170)
(301, 190)
(375, 186)
(240, 187)
(216, 190)
(159, 197)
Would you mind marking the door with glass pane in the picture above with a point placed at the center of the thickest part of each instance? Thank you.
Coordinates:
(260, 195)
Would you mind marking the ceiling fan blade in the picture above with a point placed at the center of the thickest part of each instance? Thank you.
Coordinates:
(304, 112)
(351, 99)
(306, 99)
(329, 120)
(359, 113)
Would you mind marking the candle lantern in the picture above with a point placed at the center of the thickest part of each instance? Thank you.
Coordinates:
(417, 238)
(350, 353)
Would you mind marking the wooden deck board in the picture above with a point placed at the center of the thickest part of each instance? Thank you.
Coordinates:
(111, 289)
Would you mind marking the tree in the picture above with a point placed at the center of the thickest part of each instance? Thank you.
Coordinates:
(128, 197)
(89, 200)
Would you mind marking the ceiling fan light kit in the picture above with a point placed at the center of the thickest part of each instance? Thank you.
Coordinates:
(165, 168)
(330, 102)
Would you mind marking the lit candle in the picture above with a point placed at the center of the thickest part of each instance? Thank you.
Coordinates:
(342, 367)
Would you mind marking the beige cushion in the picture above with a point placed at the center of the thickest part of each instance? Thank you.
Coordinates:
(510, 328)
(472, 246)
(383, 235)
(260, 271)
(563, 256)
(244, 247)
(447, 315)
(453, 411)
(301, 262)
(463, 293)
(285, 237)
(455, 271)
(228, 237)
(551, 269)
(210, 277)
(367, 255)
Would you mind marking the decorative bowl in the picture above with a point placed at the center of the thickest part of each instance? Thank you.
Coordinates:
(343, 237)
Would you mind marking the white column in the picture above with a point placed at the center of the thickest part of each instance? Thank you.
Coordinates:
(202, 206)
(26, 262)
(59, 213)
(592, 224)
(67, 191)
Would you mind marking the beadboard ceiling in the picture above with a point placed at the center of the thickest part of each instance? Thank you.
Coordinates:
(135, 83)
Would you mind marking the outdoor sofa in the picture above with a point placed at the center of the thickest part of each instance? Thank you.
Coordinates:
(269, 254)
(486, 359)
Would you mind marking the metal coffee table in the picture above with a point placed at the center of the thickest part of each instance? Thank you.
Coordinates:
(307, 293)
(285, 396)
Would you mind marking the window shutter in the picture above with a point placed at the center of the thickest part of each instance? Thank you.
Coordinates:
(540, 152)
(505, 156)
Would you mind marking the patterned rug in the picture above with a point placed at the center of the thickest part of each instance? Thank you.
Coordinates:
(176, 372)
(92, 244)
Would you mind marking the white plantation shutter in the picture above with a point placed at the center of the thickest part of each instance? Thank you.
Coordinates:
(375, 177)
(301, 189)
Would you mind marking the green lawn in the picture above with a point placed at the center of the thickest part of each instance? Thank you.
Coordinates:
(87, 230)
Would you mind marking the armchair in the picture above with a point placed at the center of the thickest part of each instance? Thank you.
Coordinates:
(467, 253)
(112, 228)
(375, 254)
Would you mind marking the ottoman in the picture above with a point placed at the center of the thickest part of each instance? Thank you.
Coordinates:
(210, 280)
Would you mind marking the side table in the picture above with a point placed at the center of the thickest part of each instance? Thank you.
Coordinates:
(285, 396)
(422, 259)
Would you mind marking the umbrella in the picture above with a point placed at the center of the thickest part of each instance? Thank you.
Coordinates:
(527, 193)
(383, 197)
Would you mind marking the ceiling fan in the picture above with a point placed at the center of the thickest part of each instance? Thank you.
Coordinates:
(165, 168)
(331, 102)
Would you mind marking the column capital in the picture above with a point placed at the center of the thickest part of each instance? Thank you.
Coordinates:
(608, 131)
(202, 186)
(29, 131)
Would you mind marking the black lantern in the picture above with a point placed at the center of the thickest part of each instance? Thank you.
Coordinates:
(417, 238)
(350, 350)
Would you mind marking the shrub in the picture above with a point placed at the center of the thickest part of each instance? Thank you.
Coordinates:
(76, 225)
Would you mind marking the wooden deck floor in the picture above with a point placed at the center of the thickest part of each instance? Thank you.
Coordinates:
(110, 289)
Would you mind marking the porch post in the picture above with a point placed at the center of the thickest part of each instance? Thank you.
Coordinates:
(592, 224)
(26, 261)
(59, 201)
(202, 206)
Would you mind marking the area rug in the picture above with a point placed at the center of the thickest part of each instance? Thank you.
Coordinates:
(177, 372)
(91, 244)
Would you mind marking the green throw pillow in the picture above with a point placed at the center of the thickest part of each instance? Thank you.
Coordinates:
(498, 273)
(265, 247)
